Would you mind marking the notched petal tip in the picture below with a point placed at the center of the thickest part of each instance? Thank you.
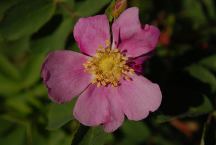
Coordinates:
(155, 31)
(134, 9)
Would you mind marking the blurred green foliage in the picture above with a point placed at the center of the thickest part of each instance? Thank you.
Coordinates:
(31, 29)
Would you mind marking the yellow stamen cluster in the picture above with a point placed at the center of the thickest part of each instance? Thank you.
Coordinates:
(107, 67)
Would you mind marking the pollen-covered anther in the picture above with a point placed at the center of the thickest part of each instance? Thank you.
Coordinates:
(108, 67)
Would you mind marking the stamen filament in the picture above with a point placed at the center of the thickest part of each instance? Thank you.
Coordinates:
(108, 67)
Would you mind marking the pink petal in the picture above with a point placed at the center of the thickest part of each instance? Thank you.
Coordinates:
(126, 25)
(139, 97)
(142, 42)
(116, 116)
(63, 73)
(91, 32)
(92, 107)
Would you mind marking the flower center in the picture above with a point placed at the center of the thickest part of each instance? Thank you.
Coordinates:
(107, 67)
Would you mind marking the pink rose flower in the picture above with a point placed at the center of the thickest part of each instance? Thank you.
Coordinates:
(108, 86)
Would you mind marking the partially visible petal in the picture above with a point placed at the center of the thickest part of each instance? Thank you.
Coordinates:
(144, 41)
(63, 73)
(136, 63)
(139, 97)
(126, 25)
(92, 107)
(116, 116)
(92, 32)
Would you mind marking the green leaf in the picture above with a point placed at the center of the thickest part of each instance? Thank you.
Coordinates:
(208, 125)
(26, 18)
(193, 10)
(18, 104)
(15, 47)
(209, 62)
(203, 135)
(115, 8)
(5, 5)
(39, 90)
(70, 3)
(23, 102)
(203, 108)
(74, 126)
(8, 86)
(109, 10)
(160, 140)
(59, 138)
(75, 48)
(90, 7)
(5, 125)
(161, 118)
(210, 8)
(55, 41)
(96, 136)
(8, 68)
(145, 8)
(16, 137)
(31, 74)
(126, 141)
(202, 74)
(59, 115)
(135, 131)
(38, 138)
